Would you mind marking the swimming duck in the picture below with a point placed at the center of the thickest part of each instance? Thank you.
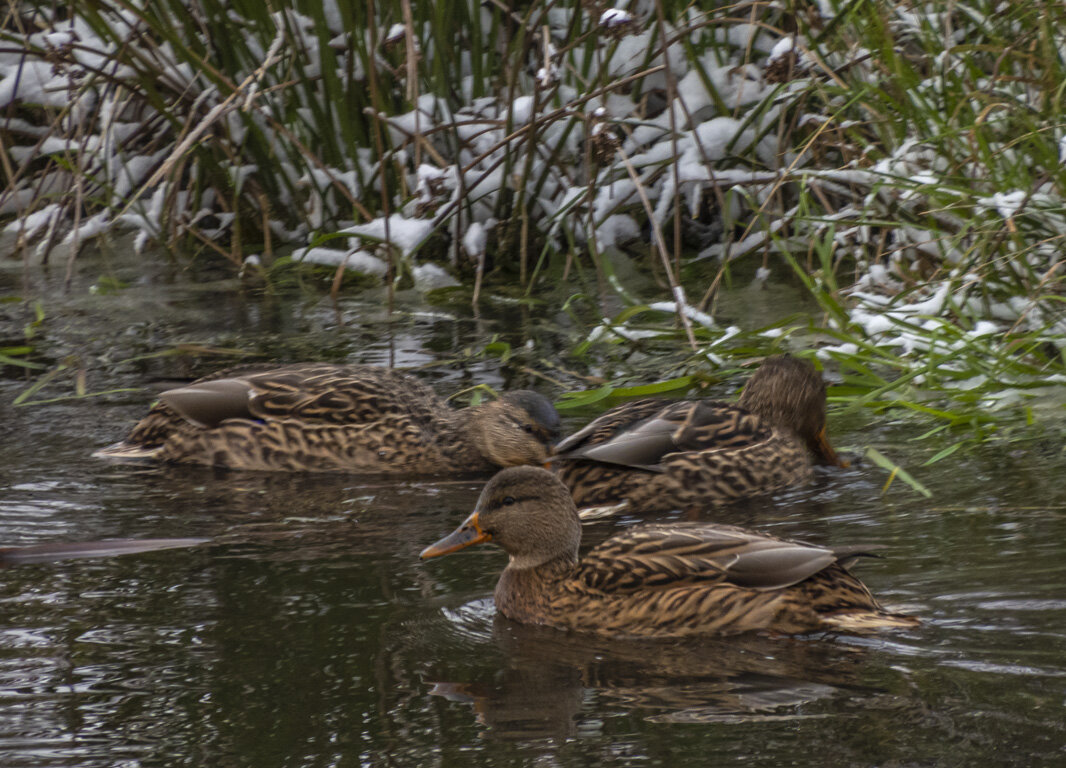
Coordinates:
(337, 418)
(653, 455)
(683, 579)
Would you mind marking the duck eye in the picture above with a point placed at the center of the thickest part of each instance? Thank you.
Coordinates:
(507, 501)
(527, 428)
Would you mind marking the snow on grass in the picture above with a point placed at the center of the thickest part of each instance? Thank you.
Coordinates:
(475, 240)
(910, 162)
(616, 17)
(403, 233)
(356, 260)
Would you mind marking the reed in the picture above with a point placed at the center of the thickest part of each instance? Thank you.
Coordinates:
(906, 162)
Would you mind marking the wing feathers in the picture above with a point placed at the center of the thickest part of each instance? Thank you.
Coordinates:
(208, 403)
(659, 556)
(316, 394)
(641, 433)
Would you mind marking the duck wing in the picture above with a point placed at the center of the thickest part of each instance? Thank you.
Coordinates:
(610, 423)
(641, 433)
(667, 556)
(314, 394)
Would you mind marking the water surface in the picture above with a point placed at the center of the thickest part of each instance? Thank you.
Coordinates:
(307, 632)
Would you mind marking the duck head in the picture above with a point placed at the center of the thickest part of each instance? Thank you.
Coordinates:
(525, 510)
(788, 392)
(518, 428)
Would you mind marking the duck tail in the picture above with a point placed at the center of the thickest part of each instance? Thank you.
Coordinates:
(603, 511)
(123, 451)
(861, 622)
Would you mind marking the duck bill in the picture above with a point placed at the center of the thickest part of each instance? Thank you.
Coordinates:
(824, 451)
(466, 535)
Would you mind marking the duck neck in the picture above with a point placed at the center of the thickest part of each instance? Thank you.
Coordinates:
(524, 591)
(460, 435)
(546, 566)
(766, 409)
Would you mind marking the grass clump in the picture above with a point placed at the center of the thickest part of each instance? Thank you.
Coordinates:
(903, 161)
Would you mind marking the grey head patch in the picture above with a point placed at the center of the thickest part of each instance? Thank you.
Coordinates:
(538, 407)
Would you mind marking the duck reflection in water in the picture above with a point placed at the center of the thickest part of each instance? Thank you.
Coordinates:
(549, 678)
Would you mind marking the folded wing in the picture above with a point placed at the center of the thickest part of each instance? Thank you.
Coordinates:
(313, 394)
(641, 433)
(668, 556)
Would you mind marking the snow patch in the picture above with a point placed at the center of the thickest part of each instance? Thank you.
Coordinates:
(356, 261)
(405, 234)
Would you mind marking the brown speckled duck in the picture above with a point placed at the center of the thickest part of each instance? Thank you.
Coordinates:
(656, 455)
(319, 417)
(685, 579)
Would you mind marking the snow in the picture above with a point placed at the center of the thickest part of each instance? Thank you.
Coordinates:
(522, 109)
(475, 239)
(406, 234)
(30, 224)
(356, 261)
(430, 277)
(1006, 204)
(985, 328)
(33, 82)
(87, 229)
(722, 136)
(847, 349)
(615, 17)
(616, 230)
(782, 48)
(693, 314)
(630, 334)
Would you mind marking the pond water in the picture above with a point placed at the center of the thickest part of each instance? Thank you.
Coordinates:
(307, 633)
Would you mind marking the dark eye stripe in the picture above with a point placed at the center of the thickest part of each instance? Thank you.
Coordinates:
(514, 500)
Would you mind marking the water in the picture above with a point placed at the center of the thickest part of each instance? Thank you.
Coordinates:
(307, 632)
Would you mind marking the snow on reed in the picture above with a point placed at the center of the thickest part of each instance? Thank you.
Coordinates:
(948, 206)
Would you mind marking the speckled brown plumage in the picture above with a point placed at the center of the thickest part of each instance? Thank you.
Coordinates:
(651, 455)
(337, 418)
(658, 580)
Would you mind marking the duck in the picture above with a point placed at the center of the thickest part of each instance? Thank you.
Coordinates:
(321, 417)
(658, 580)
(653, 455)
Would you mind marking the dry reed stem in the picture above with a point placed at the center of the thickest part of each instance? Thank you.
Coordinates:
(675, 287)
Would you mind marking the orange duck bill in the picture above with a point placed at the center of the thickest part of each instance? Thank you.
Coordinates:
(466, 535)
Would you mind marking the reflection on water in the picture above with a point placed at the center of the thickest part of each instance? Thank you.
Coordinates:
(542, 690)
(307, 633)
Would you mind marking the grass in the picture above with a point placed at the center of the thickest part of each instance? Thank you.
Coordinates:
(903, 161)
